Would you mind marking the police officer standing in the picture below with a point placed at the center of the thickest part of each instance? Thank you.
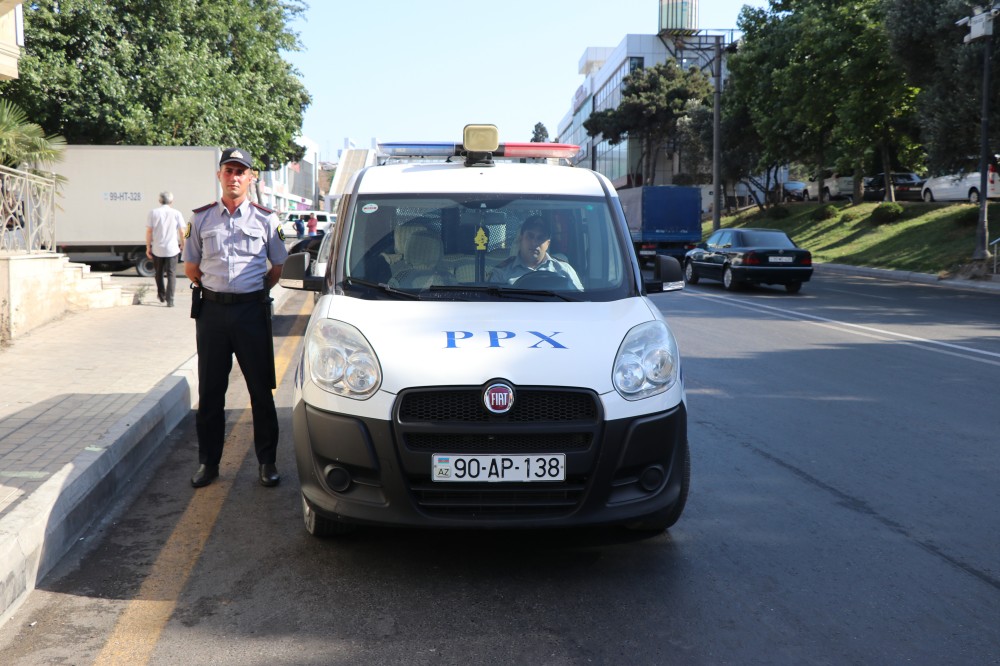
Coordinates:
(226, 253)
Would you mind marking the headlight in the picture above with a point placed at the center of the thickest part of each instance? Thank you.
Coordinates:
(647, 362)
(341, 360)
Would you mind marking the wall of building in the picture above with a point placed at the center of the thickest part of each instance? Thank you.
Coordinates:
(11, 38)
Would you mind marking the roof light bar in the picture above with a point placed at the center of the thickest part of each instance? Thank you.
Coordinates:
(538, 149)
(419, 149)
(444, 149)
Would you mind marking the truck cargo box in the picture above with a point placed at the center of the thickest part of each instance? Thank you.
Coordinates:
(662, 219)
(108, 192)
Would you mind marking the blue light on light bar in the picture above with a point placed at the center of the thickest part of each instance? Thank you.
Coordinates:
(418, 149)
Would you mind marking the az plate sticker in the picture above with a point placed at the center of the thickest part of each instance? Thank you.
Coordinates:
(369, 208)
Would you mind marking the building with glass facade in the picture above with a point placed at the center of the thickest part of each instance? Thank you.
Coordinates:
(605, 68)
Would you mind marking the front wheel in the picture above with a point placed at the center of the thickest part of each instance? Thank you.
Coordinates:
(973, 196)
(689, 275)
(928, 196)
(729, 280)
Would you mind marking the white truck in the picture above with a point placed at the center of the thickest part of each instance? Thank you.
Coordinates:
(108, 191)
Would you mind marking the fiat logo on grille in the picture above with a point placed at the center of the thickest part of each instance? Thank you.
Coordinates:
(498, 398)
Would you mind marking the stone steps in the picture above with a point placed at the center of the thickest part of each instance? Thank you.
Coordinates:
(84, 291)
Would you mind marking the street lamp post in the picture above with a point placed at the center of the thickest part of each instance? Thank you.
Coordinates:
(981, 26)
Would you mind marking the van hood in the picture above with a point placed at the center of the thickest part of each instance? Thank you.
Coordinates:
(448, 343)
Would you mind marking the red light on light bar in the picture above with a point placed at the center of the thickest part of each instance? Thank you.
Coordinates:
(535, 149)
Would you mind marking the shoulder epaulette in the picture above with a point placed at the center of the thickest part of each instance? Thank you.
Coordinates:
(203, 208)
(259, 207)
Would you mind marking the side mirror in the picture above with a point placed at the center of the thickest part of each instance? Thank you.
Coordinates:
(295, 274)
(667, 275)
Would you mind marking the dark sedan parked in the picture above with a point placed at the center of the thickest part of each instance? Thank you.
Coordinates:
(749, 256)
(906, 185)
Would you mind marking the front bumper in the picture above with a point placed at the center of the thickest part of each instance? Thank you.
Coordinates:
(376, 471)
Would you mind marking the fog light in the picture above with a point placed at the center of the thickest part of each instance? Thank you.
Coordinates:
(651, 478)
(338, 478)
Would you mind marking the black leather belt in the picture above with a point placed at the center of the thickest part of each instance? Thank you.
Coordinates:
(228, 299)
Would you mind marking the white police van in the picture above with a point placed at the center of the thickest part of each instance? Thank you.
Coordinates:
(460, 371)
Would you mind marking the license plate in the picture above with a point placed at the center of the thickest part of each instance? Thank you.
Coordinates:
(494, 468)
(647, 253)
(781, 260)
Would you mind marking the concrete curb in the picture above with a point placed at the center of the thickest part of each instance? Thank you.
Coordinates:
(908, 276)
(41, 530)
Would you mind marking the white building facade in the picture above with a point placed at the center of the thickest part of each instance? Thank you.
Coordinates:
(295, 186)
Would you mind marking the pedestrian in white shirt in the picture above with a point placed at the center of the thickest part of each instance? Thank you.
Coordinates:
(164, 237)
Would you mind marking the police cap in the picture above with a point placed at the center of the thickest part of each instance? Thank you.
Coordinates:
(236, 155)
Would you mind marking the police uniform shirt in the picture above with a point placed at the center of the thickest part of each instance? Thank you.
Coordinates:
(511, 269)
(233, 250)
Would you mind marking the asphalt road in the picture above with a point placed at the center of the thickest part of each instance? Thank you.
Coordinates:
(842, 511)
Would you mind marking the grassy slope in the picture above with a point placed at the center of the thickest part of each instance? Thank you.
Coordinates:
(929, 238)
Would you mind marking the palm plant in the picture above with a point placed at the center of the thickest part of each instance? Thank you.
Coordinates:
(23, 143)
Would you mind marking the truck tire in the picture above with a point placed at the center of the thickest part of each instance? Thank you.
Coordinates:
(144, 267)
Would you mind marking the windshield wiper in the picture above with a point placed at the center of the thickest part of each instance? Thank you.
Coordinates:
(383, 287)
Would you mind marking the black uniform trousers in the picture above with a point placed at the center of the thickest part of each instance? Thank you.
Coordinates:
(225, 329)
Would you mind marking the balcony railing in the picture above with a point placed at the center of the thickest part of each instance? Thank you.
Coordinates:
(27, 212)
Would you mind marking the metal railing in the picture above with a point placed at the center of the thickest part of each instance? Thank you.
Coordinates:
(27, 212)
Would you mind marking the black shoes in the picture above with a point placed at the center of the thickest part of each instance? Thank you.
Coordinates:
(204, 475)
(207, 473)
(160, 296)
(269, 475)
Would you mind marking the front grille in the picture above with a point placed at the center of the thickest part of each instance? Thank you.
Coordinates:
(466, 406)
(542, 420)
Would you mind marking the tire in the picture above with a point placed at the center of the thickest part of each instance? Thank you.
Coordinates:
(729, 280)
(793, 287)
(689, 275)
(805, 196)
(320, 526)
(928, 196)
(826, 194)
(668, 517)
(973, 196)
(145, 267)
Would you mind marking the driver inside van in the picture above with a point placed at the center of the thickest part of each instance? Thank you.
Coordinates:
(533, 242)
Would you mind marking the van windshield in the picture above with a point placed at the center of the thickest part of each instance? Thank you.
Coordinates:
(484, 247)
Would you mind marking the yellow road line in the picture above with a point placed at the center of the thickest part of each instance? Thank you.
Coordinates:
(140, 625)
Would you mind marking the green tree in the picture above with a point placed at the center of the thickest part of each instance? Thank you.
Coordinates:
(820, 86)
(653, 102)
(164, 72)
(540, 134)
(24, 144)
(948, 73)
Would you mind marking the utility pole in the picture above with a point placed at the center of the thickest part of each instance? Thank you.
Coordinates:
(981, 26)
(716, 131)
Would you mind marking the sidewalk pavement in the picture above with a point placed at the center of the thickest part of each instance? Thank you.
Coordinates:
(86, 400)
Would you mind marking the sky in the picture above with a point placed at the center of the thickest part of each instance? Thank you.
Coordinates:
(398, 70)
